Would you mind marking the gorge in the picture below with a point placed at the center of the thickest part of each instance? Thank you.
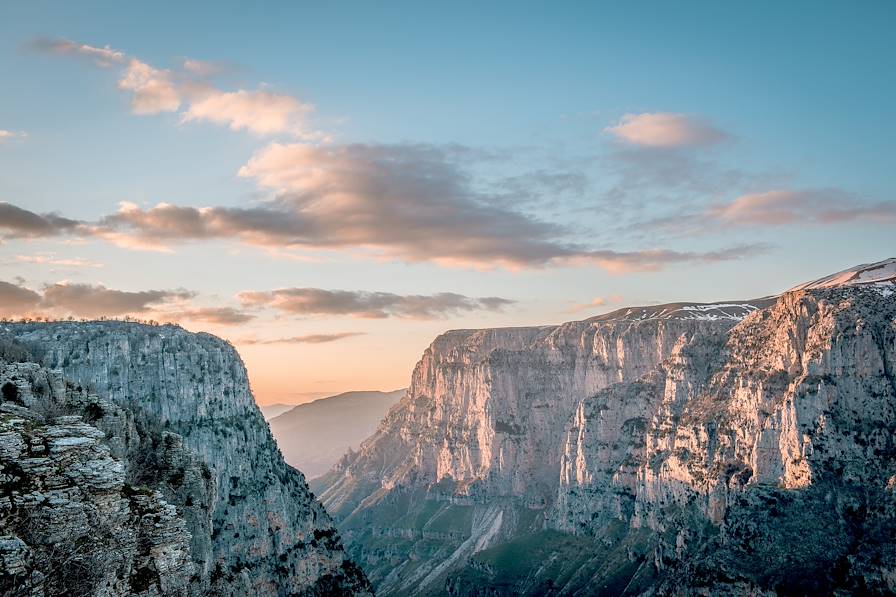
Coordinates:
(736, 448)
(746, 447)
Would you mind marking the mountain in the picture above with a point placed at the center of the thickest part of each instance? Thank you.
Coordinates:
(269, 411)
(314, 436)
(135, 462)
(674, 449)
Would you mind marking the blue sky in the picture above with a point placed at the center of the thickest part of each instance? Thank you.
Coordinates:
(618, 154)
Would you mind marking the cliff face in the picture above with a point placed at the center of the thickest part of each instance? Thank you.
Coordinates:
(174, 421)
(71, 521)
(471, 456)
(762, 460)
(678, 449)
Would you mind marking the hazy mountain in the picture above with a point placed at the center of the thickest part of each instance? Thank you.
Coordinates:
(269, 411)
(737, 448)
(314, 436)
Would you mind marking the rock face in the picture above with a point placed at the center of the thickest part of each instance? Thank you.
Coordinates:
(314, 436)
(471, 456)
(669, 450)
(134, 460)
(760, 460)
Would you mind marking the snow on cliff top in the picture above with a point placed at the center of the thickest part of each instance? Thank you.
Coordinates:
(694, 311)
(882, 273)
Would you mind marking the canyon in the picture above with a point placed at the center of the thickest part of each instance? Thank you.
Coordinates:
(736, 448)
(730, 448)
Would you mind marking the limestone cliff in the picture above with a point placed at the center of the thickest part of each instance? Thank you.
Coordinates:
(470, 457)
(140, 450)
(680, 449)
(762, 460)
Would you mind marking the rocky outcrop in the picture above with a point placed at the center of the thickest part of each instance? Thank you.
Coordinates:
(72, 522)
(140, 450)
(471, 456)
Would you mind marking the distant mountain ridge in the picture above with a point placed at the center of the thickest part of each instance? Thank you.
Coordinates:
(315, 435)
(269, 411)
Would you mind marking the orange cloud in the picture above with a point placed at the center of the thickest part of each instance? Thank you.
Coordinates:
(259, 112)
(780, 207)
(665, 130)
(157, 90)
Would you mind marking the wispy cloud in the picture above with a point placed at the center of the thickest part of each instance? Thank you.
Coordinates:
(403, 202)
(782, 207)
(215, 315)
(370, 305)
(16, 222)
(665, 130)
(620, 262)
(16, 299)
(51, 260)
(104, 57)
(65, 299)
(306, 339)
(597, 302)
(6, 135)
(203, 68)
(88, 300)
(188, 90)
(82, 300)
(407, 202)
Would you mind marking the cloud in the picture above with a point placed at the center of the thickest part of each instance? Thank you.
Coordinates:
(153, 90)
(308, 339)
(649, 174)
(86, 300)
(411, 202)
(783, 207)
(16, 222)
(104, 57)
(265, 225)
(16, 300)
(404, 202)
(369, 305)
(665, 130)
(81, 300)
(259, 112)
(598, 301)
(216, 315)
(6, 135)
(73, 262)
(408, 202)
(203, 68)
(620, 262)
(819, 207)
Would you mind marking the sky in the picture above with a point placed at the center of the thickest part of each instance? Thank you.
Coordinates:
(329, 186)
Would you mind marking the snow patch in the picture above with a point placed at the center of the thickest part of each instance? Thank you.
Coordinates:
(880, 275)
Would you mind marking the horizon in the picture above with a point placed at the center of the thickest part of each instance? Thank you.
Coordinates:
(331, 193)
(311, 397)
